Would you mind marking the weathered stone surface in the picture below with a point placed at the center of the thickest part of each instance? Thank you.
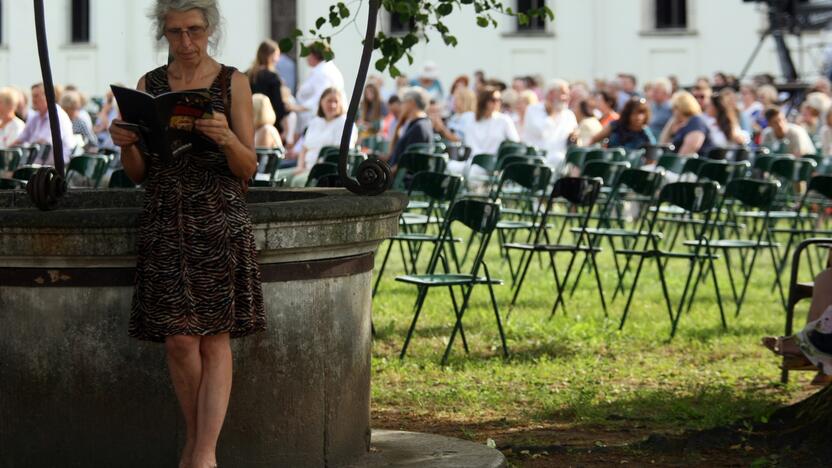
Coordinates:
(397, 449)
(76, 391)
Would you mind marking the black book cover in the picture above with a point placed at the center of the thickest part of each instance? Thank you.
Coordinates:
(165, 122)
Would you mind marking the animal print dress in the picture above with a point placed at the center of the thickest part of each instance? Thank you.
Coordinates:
(197, 268)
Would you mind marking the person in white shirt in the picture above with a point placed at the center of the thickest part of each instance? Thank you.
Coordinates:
(38, 129)
(486, 131)
(10, 125)
(323, 75)
(782, 136)
(324, 130)
(550, 124)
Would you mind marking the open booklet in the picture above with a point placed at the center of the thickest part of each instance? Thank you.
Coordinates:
(165, 122)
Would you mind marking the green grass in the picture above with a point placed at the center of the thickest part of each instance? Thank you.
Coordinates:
(577, 368)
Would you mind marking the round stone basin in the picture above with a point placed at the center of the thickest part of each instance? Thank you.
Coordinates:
(76, 391)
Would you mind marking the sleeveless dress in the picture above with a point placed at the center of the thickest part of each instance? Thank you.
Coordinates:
(197, 270)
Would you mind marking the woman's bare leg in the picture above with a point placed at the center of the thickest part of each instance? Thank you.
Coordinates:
(185, 365)
(821, 295)
(214, 393)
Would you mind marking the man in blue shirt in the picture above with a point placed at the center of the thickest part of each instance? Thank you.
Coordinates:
(660, 108)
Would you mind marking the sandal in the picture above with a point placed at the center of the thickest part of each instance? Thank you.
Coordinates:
(797, 363)
(775, 345)
(821, 380)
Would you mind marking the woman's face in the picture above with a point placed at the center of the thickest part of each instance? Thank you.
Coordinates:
(370, 93)
(5, 108)
(187, 33)
(638, 120)
(494, 103)
(331, 105)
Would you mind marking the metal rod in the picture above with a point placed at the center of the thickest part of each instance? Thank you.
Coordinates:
(49, 87)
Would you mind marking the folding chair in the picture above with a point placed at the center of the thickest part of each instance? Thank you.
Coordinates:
(749, 194)
(481, 218)
(581, 192)
(119, 179)
(89, 168)
(319, 171)
(439, 190)
(10, 158)
(412, 163)
(692, 197)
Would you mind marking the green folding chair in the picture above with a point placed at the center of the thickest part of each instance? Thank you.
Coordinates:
(319, 171)
(692, 197)
(580, 192)
(10, 158)
(119, 179)
(481, 218)
(86, 170)
(12, 184)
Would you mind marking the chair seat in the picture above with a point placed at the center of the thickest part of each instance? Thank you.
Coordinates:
(612, 232)
(446, 279)
(515, 225)
(669, 209)
(417, 205)
(420, 237)
(771, 214)
(733, 244)
(550, 247)
(661, 253)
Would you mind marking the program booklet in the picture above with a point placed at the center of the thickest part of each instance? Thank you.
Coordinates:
(166, 123)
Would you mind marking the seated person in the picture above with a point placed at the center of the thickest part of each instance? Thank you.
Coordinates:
(10, 125)
(811, 347)
(38, 131)
(71, 103)
(687, 130)
(266, 134)
(324, 130)
(632, 130)
(414, 125)
(782, 136)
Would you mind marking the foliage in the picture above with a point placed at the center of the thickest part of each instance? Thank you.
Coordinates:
(423, 16)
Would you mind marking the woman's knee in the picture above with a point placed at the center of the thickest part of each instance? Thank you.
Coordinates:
(215, 347)
(182, 346)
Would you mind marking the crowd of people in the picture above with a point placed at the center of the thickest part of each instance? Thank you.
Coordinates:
(476, 111)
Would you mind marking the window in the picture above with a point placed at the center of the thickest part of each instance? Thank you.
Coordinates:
(80, 21)
(1, 21)
(537, 23)
(399, 26)
(671, 14)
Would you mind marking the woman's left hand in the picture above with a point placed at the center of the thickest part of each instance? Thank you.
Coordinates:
(216, 129)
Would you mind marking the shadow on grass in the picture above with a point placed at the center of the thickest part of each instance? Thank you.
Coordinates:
(705, 407)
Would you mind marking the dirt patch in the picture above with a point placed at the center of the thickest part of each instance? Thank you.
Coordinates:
(621, 443)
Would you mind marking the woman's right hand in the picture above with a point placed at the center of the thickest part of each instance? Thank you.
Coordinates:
(121, 136)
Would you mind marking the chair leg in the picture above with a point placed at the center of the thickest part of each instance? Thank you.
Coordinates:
(528, 262)
(681, 309)
(716, 288)
(420, 301)
(456, 314)
(457, 324)
(558, 285)
(383, 265)
(496, 311)
(632, 293)
(598, 283)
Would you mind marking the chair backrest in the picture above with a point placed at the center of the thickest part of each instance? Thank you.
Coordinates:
(821, 184)
(754, 193)
(320, 170)
(437, 186)
(789, 169)
(597, 155)
(695, 197)
(419, 162)
(10, 158)
(722, 172)
(692, 165)
(575, 156)
(481, 217)
(508, 147)
(671, 162)
(607, 171)
(636, 157)
(486, 161)
(327, 151)
(89, 166)
(642, 182)
(717, 154)
(532, 177)
(268, 160)
(25, 172)
(581, 191)
(521, 159)
(738, 154)
(12, 184)
(119, 179)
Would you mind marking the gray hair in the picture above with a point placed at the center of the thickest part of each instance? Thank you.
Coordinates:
(209, 9)
(418, 95)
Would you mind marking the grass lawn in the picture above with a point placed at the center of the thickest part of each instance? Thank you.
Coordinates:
(574, 382)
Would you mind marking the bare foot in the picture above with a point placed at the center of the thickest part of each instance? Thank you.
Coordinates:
(204, 461)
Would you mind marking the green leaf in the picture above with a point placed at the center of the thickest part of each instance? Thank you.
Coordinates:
(381, 64)
(343, 10)
(297, 33)
(482, 21)
(304, 50)
(334, 19)
(445, 9)
(394, 72)
(320, 22)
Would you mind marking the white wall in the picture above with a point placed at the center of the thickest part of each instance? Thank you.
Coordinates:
(589, 39)
(122, 47)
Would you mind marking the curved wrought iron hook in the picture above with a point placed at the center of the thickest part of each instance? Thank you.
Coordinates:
(48, 184)
(374, 176)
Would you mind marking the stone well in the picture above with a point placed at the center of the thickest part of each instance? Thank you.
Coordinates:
(76, 391)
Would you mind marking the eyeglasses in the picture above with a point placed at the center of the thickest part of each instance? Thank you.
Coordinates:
(194, 33)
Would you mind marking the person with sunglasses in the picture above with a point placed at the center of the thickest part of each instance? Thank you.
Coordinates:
(632, 130)
(197, 283)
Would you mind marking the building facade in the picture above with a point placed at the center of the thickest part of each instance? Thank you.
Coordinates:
(97, 42)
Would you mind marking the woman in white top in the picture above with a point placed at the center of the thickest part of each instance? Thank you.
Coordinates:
(550, 124)
(10, 125)
(324, 130)
(265, 133)
(489, 128)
